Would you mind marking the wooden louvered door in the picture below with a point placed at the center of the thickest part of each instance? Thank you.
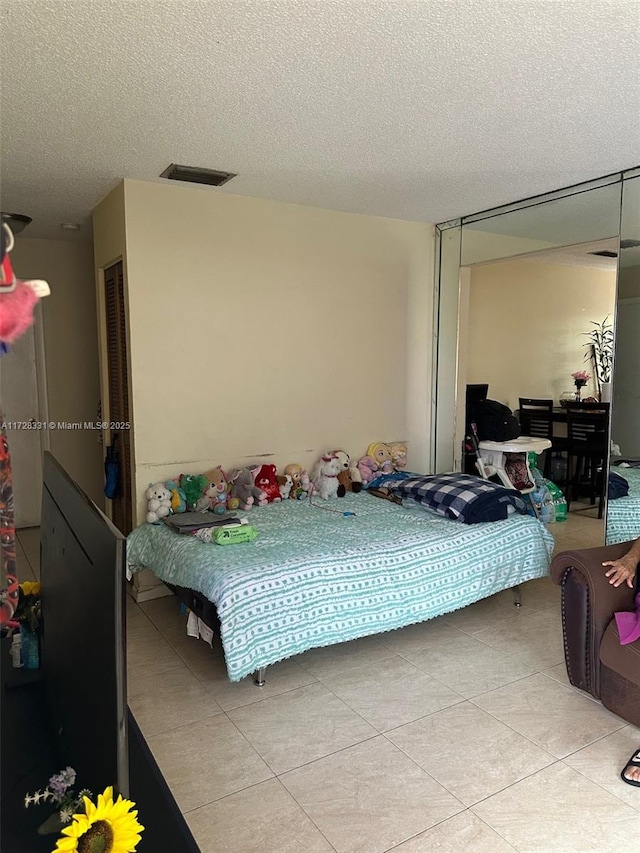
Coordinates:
(118, 392)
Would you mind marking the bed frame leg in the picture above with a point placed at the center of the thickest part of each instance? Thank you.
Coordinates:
(259, 680)
(517, 596)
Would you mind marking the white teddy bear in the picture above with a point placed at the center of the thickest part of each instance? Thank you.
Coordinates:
(159, 502)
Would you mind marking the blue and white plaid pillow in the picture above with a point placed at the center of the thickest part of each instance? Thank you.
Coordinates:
(461, 497)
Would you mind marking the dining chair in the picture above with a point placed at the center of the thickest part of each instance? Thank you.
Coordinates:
(588, 451)
(536, 420)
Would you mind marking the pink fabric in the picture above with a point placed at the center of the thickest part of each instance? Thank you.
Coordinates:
(628, 624)
(16, 311)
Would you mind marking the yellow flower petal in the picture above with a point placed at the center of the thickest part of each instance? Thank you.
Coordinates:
(120, 816)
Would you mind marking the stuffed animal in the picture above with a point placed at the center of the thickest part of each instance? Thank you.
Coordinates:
(18, 298)
(193, 485)
(244, 488)
(367, 468)
(178, 497)
(285, 484)
(345, 477)
(376, 462)
(301, 483)
(304, 486)
(158, 502)
(265, 479)
(398, 452)
(356, 477)
(216, 497)
(325, 476)
(382, 455)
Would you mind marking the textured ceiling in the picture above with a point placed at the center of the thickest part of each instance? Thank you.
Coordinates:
(403, 108)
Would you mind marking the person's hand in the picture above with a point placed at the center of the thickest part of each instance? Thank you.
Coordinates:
(621, 571)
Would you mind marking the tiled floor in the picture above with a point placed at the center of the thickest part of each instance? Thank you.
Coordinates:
(457, 734)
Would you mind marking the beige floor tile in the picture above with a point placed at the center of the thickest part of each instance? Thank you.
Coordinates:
(536, 638)
(392, 694)
(148, 653)
(538, 594)
(370, 797)
(300, 726)
(416, 637)
(262, 819)
(170, 699)
(603, 761)
(343, 657)
(559, 673)
(207, 760)
(139, 627)
(471, 667)
(490, 611)
(469, 752)
(280, 678)
(558, 810)
(463, 833)
(555, 717)
(134, 615)
(166, 614)
(208, 664)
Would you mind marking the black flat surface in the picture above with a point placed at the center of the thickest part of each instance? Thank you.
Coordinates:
(29, 758)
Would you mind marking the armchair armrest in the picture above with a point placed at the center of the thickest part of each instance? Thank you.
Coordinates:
(588, 604)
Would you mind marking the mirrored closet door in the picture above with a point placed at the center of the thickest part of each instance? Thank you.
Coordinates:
(521, 288)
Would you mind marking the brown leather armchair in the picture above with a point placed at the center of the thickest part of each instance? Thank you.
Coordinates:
(596, 662)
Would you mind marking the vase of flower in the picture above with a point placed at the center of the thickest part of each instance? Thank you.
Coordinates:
(580, 379)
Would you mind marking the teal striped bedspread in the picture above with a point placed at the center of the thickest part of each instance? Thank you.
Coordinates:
(313, 578)
(623, 514)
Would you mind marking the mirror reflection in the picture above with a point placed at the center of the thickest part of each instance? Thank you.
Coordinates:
(536, 321)
(623, 510)
(530, 332)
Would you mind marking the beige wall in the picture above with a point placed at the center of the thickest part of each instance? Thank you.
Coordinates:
(526, 322)
(71, 350)
(267, 331)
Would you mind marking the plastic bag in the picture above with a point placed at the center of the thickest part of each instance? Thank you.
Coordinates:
(547, 497)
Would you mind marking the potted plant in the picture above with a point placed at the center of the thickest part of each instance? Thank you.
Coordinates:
(600, 351)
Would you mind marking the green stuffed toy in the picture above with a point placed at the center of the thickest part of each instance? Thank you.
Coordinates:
(193, 485)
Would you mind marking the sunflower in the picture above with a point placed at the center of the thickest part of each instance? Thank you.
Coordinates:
(109, 827)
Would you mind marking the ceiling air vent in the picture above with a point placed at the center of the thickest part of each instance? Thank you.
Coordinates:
(194, 175)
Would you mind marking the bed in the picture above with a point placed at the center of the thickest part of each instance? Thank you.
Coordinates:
(623, 514)
(314, 577)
